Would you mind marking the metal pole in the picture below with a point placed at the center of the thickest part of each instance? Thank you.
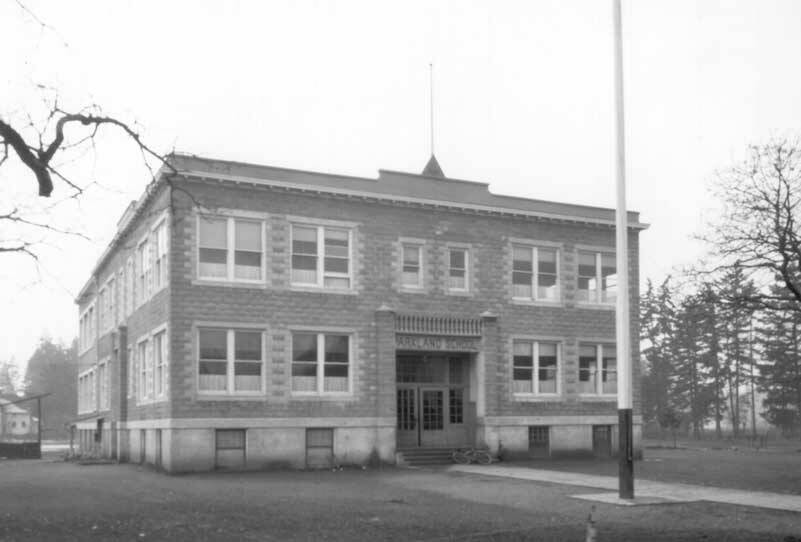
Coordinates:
(624, 395)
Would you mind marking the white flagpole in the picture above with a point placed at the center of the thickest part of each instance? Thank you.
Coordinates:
(624, 364)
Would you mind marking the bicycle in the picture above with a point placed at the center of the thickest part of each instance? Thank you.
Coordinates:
(467, 455)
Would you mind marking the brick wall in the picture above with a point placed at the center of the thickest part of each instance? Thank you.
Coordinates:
(376, 282)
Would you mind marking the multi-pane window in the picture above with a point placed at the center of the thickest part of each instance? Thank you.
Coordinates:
(321, 256)
(86, 333)
(535, 273)
(102, 377)
(230, 249)
(320, 363)
(597, 277)
(142, 271)
(160, 263)
(160, 355)
(141, 362)
(598, 369)
(230, 360)
(412, 265)
(111, 304)
(456, 405)
(535, 367)
(457, 269)
(102, 308)
(130, 280)
(131, 373)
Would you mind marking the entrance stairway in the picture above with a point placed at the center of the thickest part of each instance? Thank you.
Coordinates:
(424, 457)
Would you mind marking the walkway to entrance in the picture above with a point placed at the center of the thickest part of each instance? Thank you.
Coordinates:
(644, 488)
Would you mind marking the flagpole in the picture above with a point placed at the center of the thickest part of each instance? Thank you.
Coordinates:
(624, 368)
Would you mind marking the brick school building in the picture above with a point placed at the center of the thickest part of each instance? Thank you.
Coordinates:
(248, 316)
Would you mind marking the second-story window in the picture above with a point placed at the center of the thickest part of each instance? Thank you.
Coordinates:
(321, 257)
(457, 269)
(597, 277)
(535, 273)
(160, 263)
(230, 249)
(412, 263)
(143, 272)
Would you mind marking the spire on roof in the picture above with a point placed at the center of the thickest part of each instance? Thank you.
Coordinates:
(432, 168)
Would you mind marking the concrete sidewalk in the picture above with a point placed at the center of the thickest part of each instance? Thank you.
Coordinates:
(643, 488)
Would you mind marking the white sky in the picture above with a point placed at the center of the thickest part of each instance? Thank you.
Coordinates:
(523, 94)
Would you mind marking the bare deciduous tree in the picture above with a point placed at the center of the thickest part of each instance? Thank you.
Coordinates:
(759, 227)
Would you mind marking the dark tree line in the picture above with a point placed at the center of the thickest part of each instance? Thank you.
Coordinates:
(710, 355)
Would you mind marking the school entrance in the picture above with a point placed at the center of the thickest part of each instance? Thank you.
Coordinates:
(434, 408)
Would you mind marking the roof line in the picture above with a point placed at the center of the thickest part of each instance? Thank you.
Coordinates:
(407, 199)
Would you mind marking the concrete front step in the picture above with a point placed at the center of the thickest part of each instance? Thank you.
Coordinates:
(425, 456)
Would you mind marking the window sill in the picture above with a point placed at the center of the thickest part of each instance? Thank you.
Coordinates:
(598, 397)
(536, 302)
(321, 290)
(537, 397)
(211, 396)
(300, 396)
(595, 306)
(230, 283)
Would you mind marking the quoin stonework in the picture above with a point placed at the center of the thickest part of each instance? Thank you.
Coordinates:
(248, 316)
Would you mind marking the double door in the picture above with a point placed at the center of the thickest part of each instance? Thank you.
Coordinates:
(422, 416)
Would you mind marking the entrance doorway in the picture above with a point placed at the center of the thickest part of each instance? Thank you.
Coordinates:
(433, 407)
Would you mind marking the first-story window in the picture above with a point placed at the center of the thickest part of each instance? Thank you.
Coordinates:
(457, 269)
(535, 273)
(597, 277)
(141, 358)
(598, 369)
(412, 265)
(160, 355)
(230, 360)
(321, 257)
(535, 367)
(320, 363)
(230, 249)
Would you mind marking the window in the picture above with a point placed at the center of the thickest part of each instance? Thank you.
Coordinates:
(456, 405)
(230, 249)
(102, 377)
(597, 278)
(321, 257)
(412, 272)
(457, 269)
(539, 440)
(131, 373)
(230, 361)
(320, 363)
(230, 448)
(160, 354)
(160, 263)
(591, 379)
(541, 283)
(130, 279)
(141, 362)
(86, 328)
(535, 367)
(111, 305)
(143, 271)
(102, 309)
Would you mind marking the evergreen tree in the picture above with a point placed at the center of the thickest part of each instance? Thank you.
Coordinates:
(657, 334)
(779, 333)
(53, 368)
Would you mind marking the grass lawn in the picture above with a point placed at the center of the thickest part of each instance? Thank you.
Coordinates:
(775, 470)
(46, 500)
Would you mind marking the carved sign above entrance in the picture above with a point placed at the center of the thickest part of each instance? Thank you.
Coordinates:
(437, 343)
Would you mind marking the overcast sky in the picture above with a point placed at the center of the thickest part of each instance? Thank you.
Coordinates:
(523, 100)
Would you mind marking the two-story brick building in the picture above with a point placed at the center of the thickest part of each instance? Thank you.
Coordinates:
(252, 316)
